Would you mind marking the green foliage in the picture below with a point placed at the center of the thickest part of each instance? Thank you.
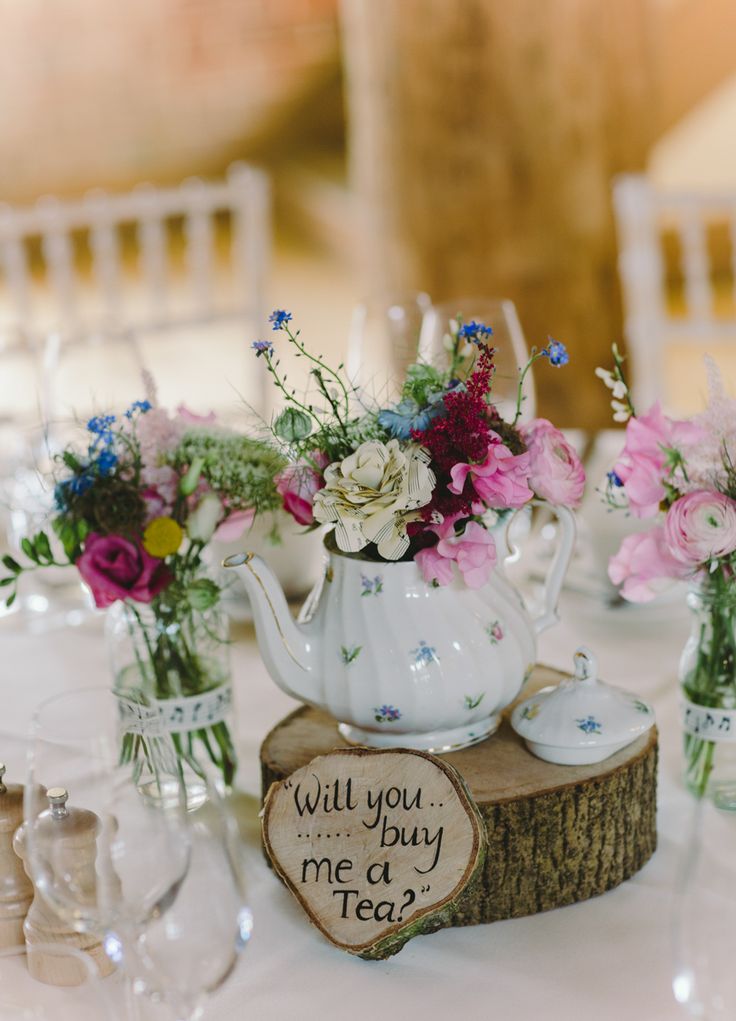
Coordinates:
(71, 534)
(38, 552)
(422, 382)
(112, 506)
(292, 425)
(202, 593)
(239, 469)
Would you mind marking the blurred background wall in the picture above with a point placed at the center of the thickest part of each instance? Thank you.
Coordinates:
(462, 148)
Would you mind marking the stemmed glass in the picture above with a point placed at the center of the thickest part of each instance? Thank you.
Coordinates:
(508, 340)
(109, 757)
(161, 887)
(704, 981)
(382, 341)
(191, 949)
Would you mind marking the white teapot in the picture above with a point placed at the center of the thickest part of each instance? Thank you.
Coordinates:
(398, 661)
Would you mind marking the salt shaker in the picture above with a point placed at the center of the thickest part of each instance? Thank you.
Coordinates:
(73, 832)
(16, 890)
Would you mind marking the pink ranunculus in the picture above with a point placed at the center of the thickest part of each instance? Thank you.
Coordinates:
(500, 480)
(644, 566)
(642, 461)
(701, 526)
(474, 552)
(234, 525)
(556, 472)
(297, 483)
(116, 568)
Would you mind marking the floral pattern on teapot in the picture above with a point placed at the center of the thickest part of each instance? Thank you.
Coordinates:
(387, 714)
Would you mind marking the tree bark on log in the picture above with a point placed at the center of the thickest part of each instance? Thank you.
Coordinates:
(555, 834)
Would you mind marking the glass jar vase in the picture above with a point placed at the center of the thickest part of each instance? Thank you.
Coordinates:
(179, 659)
(708, 680)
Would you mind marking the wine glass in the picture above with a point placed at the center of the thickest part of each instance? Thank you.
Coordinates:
(188, 951)
(704, 982)
(107, 844)
(383, 340)
(511, 355)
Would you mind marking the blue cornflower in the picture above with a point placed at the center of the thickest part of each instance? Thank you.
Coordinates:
(476, 333)
(100, 424)
(407, 415)
(262, 347)
(556, 352)
(140, 406)
(106, 462)
(614, 479)
(279, 318)
(80, 484)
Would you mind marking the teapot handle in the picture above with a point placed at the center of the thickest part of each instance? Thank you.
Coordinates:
(558, 567)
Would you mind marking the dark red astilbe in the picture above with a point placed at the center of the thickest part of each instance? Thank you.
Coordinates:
(460, 436)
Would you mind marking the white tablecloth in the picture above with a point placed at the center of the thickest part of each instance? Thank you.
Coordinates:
(608, 958)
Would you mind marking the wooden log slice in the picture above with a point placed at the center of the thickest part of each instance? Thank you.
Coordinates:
(555, 834)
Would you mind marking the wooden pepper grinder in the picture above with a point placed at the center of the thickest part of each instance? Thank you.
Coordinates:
(68, 837)
(16, 890)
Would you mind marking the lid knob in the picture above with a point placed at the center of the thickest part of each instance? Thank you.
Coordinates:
(58, 797)
(586, 664)
(3, 788)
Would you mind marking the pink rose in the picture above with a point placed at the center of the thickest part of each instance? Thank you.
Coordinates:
(701, 526)
(642, 460)
(556, 472)
(500, 480)
(474, 552)
(297, 483)
(644, 566)
(115, 568)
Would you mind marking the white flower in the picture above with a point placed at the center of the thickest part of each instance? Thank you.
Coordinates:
(373, 493)
(616, 386)
(621, 412)
(203, 521)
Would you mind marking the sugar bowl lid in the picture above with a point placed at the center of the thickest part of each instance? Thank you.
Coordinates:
(582, 719)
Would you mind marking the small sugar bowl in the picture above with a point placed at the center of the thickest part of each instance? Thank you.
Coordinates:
(582, 719)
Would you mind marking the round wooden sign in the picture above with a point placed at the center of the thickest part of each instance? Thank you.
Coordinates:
(555, 835)
(373, 843)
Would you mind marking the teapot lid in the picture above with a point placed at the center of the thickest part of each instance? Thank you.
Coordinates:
(582, 712)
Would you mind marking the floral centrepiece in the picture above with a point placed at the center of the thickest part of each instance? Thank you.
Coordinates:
(425, 478)
(681, 476)
(135, 508)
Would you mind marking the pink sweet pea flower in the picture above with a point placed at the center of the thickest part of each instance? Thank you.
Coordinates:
(191, 417)
(116, 568)
(701, 526)
(234, 525)
(642, 460)
(297, 483)
(556, 472)
(644, 566)
(500, 480)
(474, 552)
(434, 567)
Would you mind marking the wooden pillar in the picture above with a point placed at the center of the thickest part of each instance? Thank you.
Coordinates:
(483, 138)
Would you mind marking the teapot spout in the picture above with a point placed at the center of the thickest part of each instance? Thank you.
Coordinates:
(286, 648)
